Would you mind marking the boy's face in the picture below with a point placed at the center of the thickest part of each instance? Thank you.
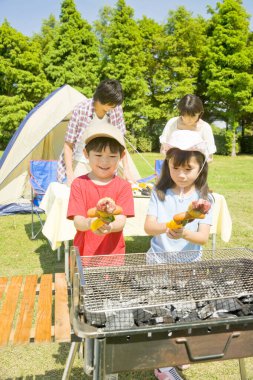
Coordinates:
(103, 164)
(99, 107)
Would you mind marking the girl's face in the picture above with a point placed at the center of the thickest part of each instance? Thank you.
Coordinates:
(190, 120)
(184, 176)
(103, 164)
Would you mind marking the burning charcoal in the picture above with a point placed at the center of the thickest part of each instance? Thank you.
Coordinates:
(192, 316)
(120, 319)
(246, 299)
(96, 319)
(152, 316)
(186, 306)
(206, 312)
(226, 305)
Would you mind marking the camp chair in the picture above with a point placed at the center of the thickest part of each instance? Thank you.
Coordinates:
(158, 168)
(42, 173)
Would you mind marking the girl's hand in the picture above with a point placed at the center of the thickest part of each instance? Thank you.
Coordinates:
(175, 234)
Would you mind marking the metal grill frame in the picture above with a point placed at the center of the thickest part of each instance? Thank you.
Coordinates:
(79, 286)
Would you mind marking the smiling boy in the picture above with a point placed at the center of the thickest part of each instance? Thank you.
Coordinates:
(104, 148)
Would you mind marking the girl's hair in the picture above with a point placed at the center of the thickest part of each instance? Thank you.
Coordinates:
(98, 144)
(109, 91)
(190, 105)
(182, 157)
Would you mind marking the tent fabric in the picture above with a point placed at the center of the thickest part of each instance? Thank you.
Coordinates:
(18, 208)
(40, 136)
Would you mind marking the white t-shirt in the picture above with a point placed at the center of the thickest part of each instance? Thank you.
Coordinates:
(203, 128)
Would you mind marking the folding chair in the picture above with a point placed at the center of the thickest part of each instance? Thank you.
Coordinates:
(42, 173)
(158, 167)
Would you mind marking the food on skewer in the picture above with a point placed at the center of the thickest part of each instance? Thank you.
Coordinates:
(104, 212)
(196, 210)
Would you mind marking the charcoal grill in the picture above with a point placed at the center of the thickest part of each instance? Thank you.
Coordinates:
(139, 316)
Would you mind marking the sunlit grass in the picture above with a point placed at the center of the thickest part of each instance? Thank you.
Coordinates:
(229, 176)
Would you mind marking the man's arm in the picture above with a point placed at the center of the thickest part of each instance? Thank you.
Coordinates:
(68, 157)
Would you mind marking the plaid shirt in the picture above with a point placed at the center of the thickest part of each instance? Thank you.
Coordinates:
(80, 119)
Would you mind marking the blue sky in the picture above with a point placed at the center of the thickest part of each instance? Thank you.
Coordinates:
(26, 15)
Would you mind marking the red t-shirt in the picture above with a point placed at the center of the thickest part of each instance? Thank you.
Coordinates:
(84, 194)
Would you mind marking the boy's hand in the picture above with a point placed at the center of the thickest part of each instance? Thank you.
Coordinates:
(104, 230)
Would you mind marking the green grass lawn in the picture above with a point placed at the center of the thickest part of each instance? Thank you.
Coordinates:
(229, 176)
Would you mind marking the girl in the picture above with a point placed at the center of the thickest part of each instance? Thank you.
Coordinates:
(182, 180)
(190, 110)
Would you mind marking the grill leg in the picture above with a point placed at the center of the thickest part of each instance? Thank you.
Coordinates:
(88, 356)
(70, 360)
(99, 359)
(242, 369)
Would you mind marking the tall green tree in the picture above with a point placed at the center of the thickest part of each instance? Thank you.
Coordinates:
(227, 67)
(154, 45)
(22, 80)
(48, 31)
(73, 56)
(186, 37)
(124, 59)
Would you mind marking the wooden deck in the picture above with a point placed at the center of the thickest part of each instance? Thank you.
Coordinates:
(34, 309)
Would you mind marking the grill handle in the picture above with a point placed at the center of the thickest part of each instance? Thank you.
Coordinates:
(207, 357)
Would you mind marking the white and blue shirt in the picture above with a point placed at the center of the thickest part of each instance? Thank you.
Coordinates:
(162, 244)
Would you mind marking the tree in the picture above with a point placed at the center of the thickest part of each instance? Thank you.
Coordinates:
(154, 45)
(48, 31)
(185, 48)
(124, 59)
(227, 68)
(22, 81)
(73, 56)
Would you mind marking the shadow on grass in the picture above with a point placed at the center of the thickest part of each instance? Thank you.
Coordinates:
(48, 258)
(136, 244)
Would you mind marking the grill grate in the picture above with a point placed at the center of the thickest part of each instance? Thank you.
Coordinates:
(117, 294)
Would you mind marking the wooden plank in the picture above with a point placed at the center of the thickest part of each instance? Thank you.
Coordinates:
(25, 318)
(44, 313)
(62, 320)
(3, 283)
(8, 309)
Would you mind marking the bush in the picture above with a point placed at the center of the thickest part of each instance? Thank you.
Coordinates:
(246, 143)
(144, 144)
(131, 143)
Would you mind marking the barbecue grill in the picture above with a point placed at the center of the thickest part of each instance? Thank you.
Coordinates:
(142, 316)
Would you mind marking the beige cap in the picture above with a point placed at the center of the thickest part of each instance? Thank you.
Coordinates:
(102, 128)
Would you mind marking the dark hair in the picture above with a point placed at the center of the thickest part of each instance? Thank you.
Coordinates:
(98, 144)
(109, 91)
(182, 157)
(190, 105)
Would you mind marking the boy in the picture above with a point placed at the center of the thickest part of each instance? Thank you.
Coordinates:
(104, 148)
